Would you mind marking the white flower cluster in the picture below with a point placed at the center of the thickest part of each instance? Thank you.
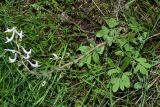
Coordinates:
(26, 54)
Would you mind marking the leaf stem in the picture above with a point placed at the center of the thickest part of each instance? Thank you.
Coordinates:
(82, 56)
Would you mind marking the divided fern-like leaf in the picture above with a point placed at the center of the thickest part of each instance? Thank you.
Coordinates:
(112, 22)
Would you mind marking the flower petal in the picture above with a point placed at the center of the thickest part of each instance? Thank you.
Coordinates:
(55, 57)
(34, 65)
(44, 83)
(14, 59)
(20, 34)
(11, 30)
(11, 38)
(27, 56)
(25, 51)
(10, 50)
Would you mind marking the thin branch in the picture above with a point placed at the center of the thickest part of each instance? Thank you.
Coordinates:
(155, 35)
(125, 96)
(98, 8)
(82, 56)
(152, 83)
(31, 72)
(129, 3)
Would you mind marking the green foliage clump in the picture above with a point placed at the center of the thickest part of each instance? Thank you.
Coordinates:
(126, 48)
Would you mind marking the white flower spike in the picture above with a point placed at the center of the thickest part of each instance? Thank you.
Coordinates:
(14, 59)
(36, 65)
(25, 54)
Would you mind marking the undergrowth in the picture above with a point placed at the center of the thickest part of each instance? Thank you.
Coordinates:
(91, 53)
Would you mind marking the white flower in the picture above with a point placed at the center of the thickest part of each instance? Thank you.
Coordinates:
(11, 38)
(27, 53)
(11, 30)
(20, 34)
(14, 59)
(14, 31)
(55, 57)
(44, 83)
(27, 56)
(36, 65)
(10, 50)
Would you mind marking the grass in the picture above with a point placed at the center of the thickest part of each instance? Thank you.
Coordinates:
(60, 27)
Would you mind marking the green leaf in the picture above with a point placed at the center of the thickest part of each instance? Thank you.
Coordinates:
(146, 65)
(126, 62)
(114, 33)
(128, 73)
(95, 57)
(92, 43)
(121, 83)
(110, 63)
(85, 60)
(143, 70)
(84, 49)
(112, 22)
(36, 6)
(122, 42)
(115, 86)
(114, 80)
(141, 60)
(135, 26)
(128, 48)
(113, 71)
(100, 50)
(88, 61)
(103, 32)
(137, 68)
(109, 40)
(115, 83)
(126, 80)
(82, 62)
(136, 54)
(119, 53)
(137, 85)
